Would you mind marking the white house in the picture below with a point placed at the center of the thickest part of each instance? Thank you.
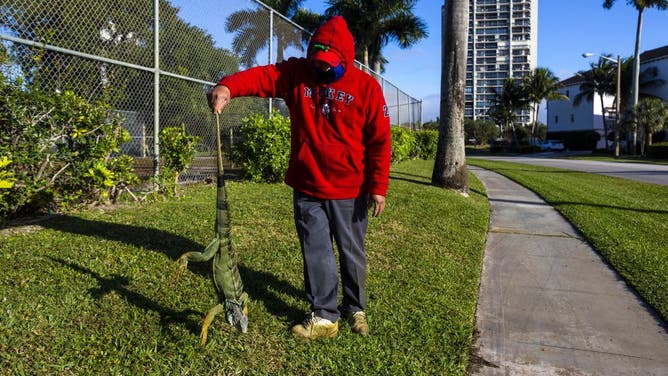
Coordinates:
(658, 58)
(565, 116)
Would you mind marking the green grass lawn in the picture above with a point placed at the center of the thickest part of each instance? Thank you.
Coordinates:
(92, 293)
(626, 221)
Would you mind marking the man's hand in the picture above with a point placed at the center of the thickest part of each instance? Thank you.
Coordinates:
(378, 203)
(219, 97)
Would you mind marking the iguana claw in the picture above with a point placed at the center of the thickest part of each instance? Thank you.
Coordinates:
(182, 265)
(235, 314)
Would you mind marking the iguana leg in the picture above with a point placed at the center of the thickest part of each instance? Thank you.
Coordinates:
(207, 321)
(206, 255)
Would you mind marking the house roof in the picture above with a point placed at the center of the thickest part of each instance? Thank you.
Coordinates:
(645, 57)
(657, 53)
(572, 80)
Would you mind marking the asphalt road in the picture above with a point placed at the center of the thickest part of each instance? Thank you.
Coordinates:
(649, 173)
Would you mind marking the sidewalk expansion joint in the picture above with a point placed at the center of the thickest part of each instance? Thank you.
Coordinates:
(519, 231)
(575, 348)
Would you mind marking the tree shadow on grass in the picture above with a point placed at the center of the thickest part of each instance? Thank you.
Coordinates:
(142, 237)
(402, 177)
(119, 284)
(259, 285)
(393, 176)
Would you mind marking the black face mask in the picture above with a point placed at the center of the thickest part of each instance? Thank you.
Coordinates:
(330, 75)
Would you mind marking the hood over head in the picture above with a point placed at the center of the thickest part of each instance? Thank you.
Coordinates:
(333, 43)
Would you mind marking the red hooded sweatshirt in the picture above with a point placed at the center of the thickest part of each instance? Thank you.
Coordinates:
(340, 132)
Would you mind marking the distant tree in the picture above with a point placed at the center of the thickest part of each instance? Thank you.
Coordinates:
(481, 130)
(539, 85)
(450, 162)
(541, 131)
(649, 78)
(375, 23)
(652, 115)
(252, 28)
(505, 105)
(640, 5)
(188, 51)
(432, 124)
(117, 31)
(600, 79)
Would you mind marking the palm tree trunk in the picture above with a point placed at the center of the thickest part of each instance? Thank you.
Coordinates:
(535, 120)
(605, 123)
(517, 142)
(450, 164)
(376, 67)
(636, 77)
(618, 106)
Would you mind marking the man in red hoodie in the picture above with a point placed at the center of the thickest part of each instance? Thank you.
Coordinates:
(339, 166)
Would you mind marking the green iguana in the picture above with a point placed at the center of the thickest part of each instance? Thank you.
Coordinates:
(226, 278)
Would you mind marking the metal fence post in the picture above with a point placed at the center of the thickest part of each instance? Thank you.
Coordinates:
(398, 109)
(156, 88)
(271, 47)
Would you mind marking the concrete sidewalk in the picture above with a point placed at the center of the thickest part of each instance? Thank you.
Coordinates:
(549, 304)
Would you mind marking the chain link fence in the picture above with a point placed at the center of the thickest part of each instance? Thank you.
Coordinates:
(157, 77)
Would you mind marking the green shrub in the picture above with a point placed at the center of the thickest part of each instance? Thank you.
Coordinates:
(177, 151)
(61, 149)
(658, 150)
(403, 144)
(426, 143)
(7, 180)
(264, 150)
(483, 131)
(500, 145)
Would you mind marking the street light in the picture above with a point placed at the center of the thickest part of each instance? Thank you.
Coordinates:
(617, 100)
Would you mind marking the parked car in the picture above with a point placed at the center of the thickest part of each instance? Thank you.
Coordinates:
(549, 145)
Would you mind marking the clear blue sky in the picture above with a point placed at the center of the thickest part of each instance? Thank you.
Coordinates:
(566, 29)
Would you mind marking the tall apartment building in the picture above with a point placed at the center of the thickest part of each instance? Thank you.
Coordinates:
(502, 44)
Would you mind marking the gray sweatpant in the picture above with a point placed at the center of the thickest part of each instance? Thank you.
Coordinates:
(317, 222)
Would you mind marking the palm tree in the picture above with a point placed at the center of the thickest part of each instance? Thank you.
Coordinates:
(374, 23)
(538, 85)
(450, 164)
(600, 79)
(652, 115)
(252, 29)
(506, 103)
(646, 79)
(640, 5)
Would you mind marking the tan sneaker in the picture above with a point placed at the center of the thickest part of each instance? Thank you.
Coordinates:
(314, 327)
(357, 321)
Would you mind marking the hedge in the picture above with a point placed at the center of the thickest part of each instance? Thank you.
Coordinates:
(658, 150)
